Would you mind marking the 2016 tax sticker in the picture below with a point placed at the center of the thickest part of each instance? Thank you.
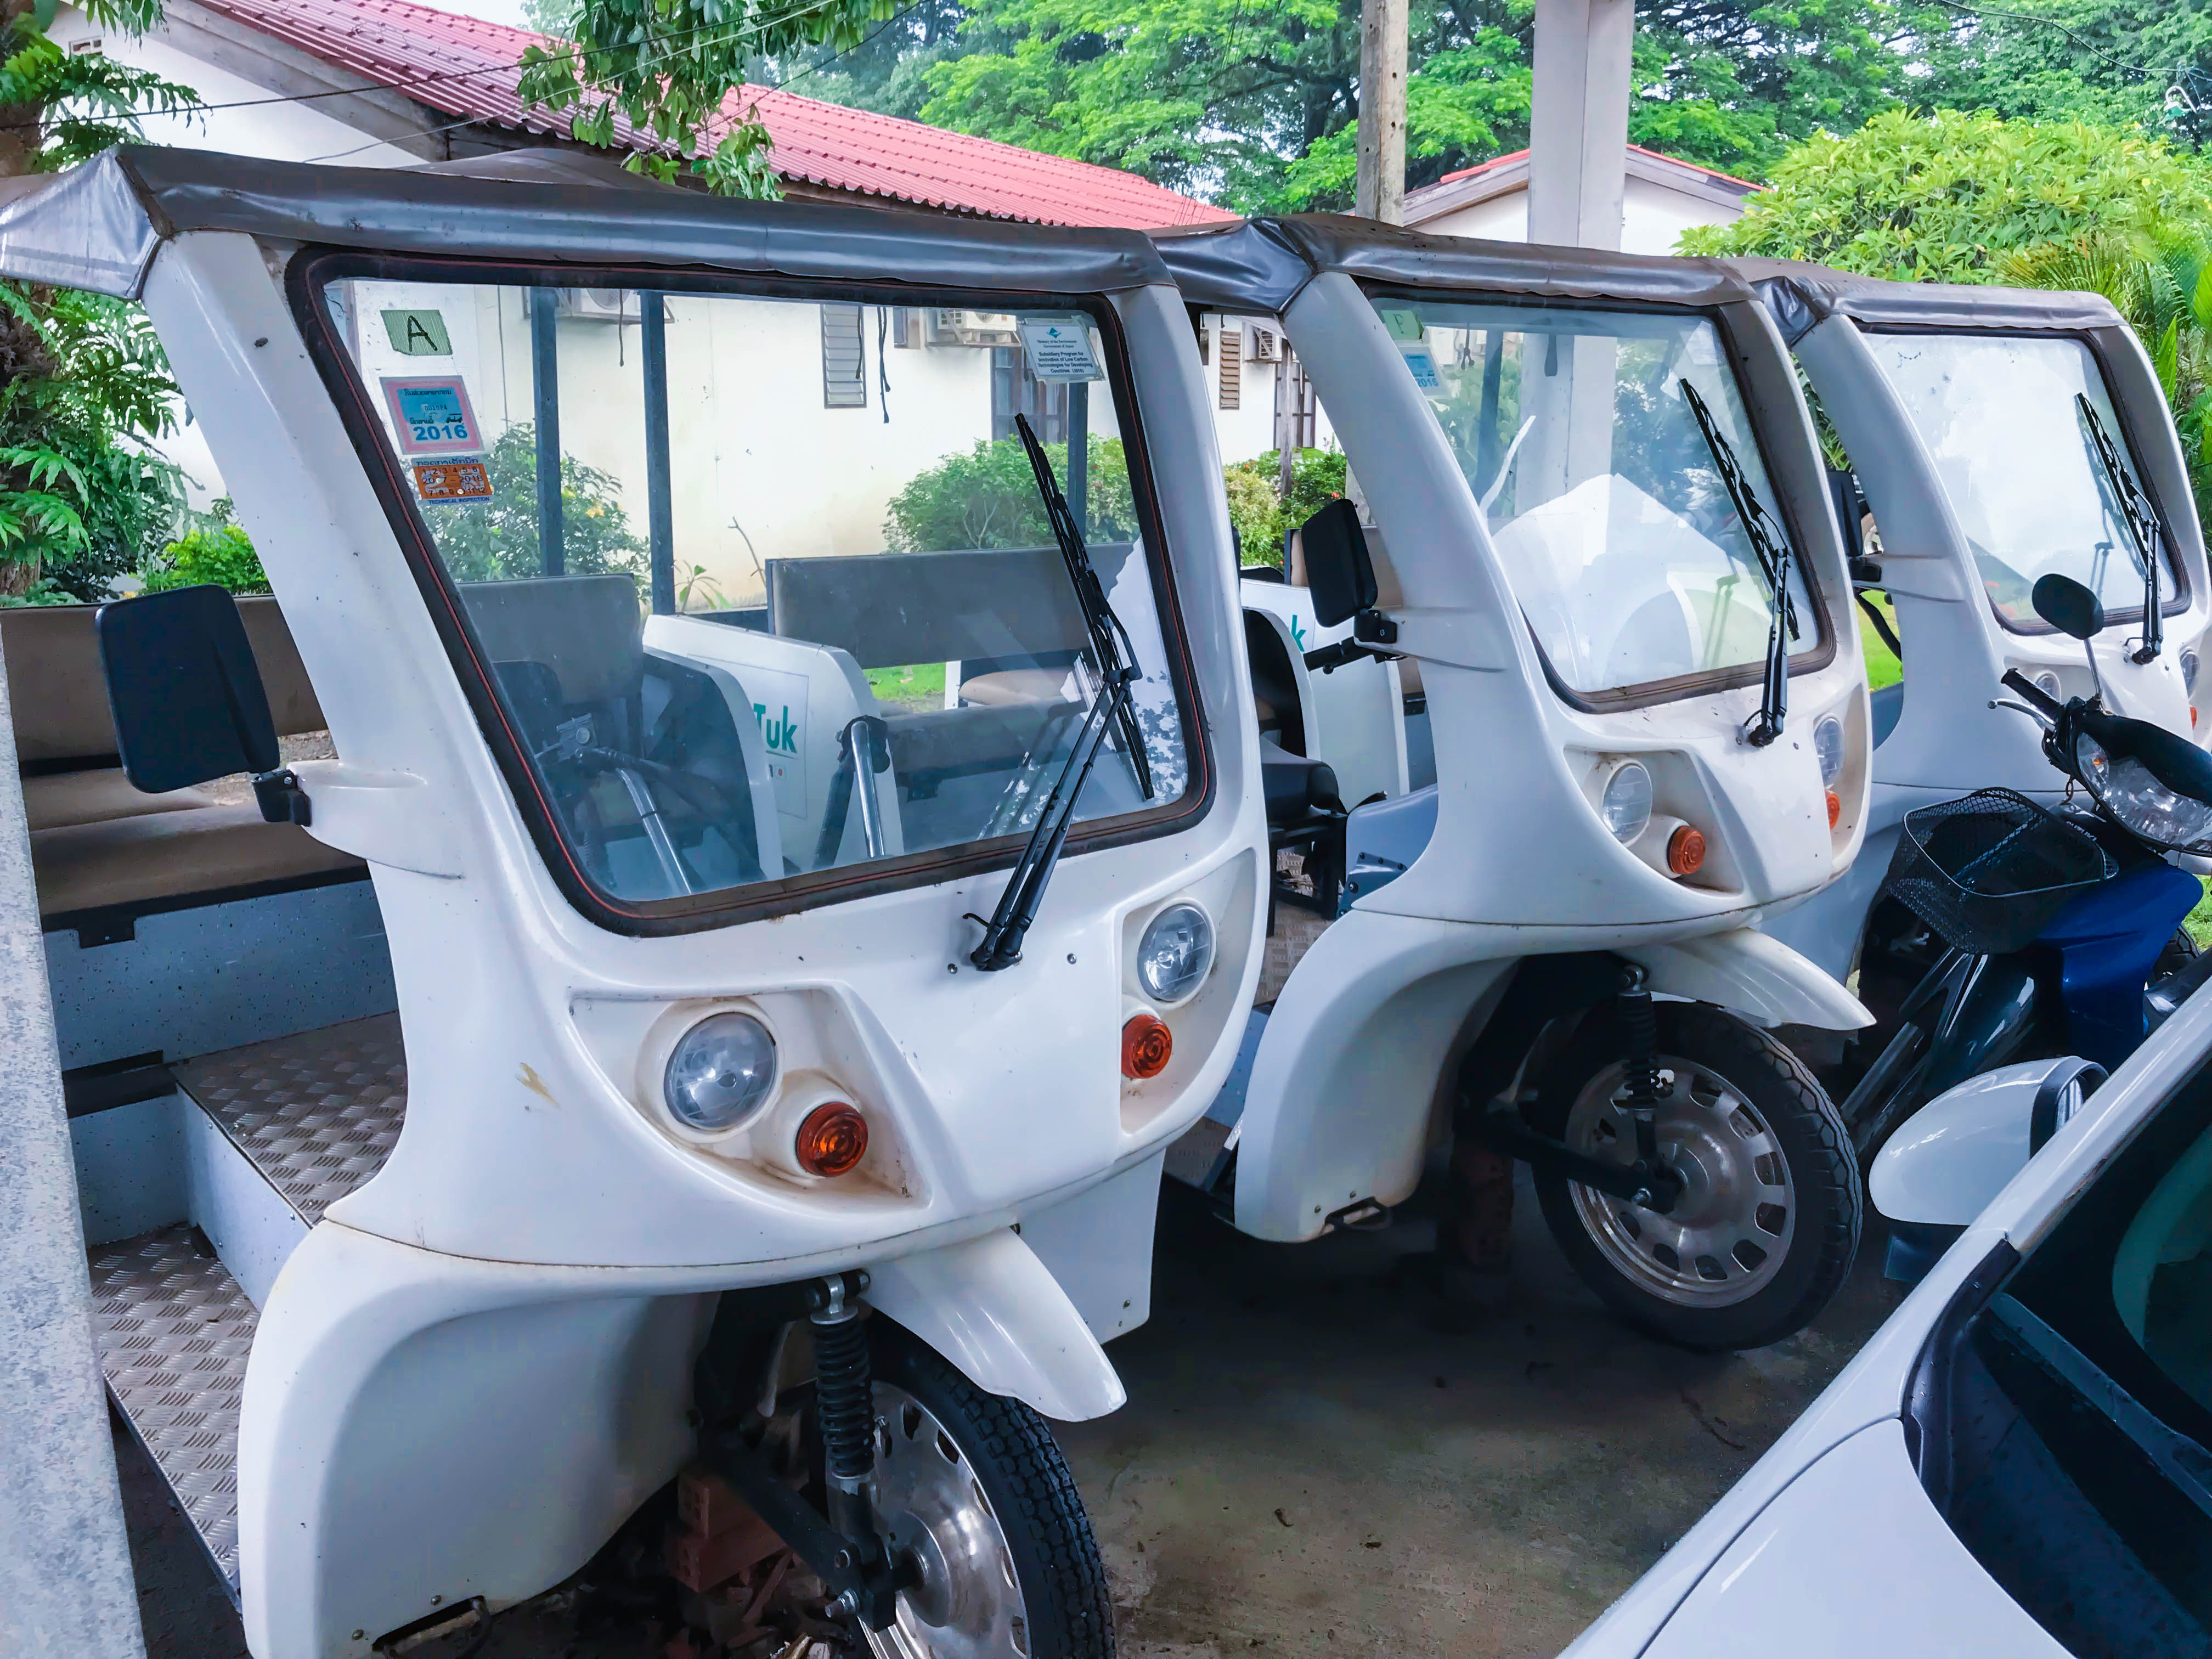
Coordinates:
(431, 415)
(1059, 348)
(1423, 367)
(452, 481)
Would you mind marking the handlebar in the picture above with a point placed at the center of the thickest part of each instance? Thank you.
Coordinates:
(2037, 698)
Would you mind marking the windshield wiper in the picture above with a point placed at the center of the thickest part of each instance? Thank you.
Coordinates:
(1115, 657)
(1772, 548)
(2142, 522)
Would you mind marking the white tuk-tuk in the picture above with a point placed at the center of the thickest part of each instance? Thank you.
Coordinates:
(1582, 481)
(603, 1041)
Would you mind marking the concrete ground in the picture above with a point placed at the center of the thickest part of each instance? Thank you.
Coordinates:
(1318, 1459)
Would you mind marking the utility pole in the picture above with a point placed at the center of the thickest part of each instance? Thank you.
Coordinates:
(1381, 192)
(1578, 128)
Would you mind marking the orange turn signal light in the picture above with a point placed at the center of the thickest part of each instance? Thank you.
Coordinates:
(1685, 851)
(1147, 1045)
(832, 1140)
(1835, 809)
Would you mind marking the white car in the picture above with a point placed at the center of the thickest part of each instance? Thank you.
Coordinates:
(2016, 1463)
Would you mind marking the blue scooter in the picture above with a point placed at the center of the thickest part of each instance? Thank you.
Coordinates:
(2010, 932)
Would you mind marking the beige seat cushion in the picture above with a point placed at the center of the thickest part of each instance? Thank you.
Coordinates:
(1012, 685)
(155, 856)
(62, 799)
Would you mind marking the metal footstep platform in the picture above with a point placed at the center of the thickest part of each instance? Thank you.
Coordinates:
(315, 1114)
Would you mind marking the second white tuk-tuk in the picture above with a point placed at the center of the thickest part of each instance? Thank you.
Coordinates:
(601, 1041)
(1590, 530)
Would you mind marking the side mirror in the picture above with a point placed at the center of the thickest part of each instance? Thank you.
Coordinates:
(184, 690)
(1339, 574)
(2068, 606)
(1962, 1149)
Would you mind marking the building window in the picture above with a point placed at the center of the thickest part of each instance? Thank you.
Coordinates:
(1015, 391)
(1232, 369)
(843, 386)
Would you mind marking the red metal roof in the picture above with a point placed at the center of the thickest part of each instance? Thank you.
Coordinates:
(467, 67)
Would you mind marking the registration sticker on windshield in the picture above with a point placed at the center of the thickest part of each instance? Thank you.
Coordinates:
(1423, 367)
(1059, 348)
(431, 415)
(452, 481)
(1405, 326)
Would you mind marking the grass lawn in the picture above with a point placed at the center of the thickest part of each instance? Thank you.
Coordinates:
(1882, 666)
(918, 685)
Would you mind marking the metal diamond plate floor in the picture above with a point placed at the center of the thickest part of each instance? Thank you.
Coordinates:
(317, 1112)
(174, 1330)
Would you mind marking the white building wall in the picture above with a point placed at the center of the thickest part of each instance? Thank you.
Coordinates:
(1653, 217)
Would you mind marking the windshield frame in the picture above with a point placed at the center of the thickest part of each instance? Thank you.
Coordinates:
(1678, 687)
(313, 268)
(2181, 590)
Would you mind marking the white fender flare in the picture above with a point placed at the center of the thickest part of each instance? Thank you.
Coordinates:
(992, 1309)
(1752, 975)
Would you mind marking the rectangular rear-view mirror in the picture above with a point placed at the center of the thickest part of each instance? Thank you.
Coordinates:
(1339, 574)
(184, 688)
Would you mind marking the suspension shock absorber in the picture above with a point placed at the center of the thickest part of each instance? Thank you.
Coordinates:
(845, 1403)
(1640, 1062)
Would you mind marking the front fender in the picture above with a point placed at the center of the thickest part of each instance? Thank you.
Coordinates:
(992, 1309)
(1752, 975)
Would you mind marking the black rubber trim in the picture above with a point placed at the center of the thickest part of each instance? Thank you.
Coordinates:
(1926, 1408)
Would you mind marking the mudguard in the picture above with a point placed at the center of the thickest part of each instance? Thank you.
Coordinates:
(1752, 975)
(992, 1309)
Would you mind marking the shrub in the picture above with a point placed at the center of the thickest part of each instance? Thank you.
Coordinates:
(496, 540)
(1262, 517)
(218, 551)
(988, 498)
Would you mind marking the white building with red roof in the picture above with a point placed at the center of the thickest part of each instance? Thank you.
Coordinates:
(1663, 198)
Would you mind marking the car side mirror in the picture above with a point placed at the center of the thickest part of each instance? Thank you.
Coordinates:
(1955, 1154)
(187, 699)
(2068, 605)
(1340, 572)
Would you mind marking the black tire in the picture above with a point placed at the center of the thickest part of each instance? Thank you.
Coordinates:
(1819, 1224)
(1011, 1452)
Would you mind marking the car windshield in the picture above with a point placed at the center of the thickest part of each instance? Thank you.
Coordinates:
(866, 645)
(1601, 492)
(1998, 414)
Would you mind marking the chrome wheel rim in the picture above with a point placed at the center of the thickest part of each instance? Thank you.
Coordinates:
(966, 1603)
(1731, 1228)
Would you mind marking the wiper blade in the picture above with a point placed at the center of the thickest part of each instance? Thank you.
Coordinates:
(1771, 547)
(1009, 926)
(2136, 513)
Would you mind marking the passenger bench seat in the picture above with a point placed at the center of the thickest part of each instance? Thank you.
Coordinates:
(97, 842)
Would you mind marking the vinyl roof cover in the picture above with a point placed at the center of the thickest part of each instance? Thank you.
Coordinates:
(1801, 296)
(99, 226)
(1256, 268)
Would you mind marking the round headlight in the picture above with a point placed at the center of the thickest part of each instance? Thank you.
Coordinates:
(1828, 749)
(720, 1073)
(1626, 804)
(1176, 954)
(2188, 670)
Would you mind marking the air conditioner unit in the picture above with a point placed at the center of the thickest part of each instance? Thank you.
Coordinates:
(972, 328)
(599, 305)
(1263, 346)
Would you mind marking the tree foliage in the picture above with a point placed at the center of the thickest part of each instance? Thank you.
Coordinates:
(1262, 515)
(1939, 198)
(496, 540)
(988, 497)
(217, 551)
(666, 68)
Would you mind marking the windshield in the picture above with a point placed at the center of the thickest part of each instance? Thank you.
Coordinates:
(1996, 412)
(866, 645)
(1599, 489)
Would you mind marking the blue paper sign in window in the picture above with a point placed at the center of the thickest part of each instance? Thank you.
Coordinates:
(431, 415)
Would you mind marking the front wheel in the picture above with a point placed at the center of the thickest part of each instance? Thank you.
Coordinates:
(972, 1491)
(1767, 1222)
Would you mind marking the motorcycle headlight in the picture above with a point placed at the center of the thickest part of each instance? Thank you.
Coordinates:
(1176, 954)
(2139, 803)
(720, 1073)
(1828, 749)
(1625, 805)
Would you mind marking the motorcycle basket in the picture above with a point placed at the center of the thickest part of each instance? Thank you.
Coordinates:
(1988, 872)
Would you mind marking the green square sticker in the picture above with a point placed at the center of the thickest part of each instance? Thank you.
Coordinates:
(418, 333)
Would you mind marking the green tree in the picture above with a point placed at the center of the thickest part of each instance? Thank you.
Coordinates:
(988, 497)
(665, 68)
(1262, 514)
(496, 540)
(1940, 198)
